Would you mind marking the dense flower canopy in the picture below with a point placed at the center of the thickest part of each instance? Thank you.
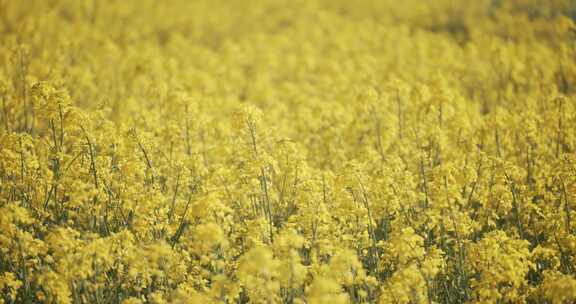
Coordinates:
(269, 151)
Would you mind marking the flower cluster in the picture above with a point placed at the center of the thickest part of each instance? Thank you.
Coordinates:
(266, 151)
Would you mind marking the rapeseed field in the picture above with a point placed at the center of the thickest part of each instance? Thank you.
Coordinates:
(305, 151)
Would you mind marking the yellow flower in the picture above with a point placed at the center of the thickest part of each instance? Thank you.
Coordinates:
(9, 282)
(325, 290)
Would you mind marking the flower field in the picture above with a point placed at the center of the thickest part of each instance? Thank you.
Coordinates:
(269, 151)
